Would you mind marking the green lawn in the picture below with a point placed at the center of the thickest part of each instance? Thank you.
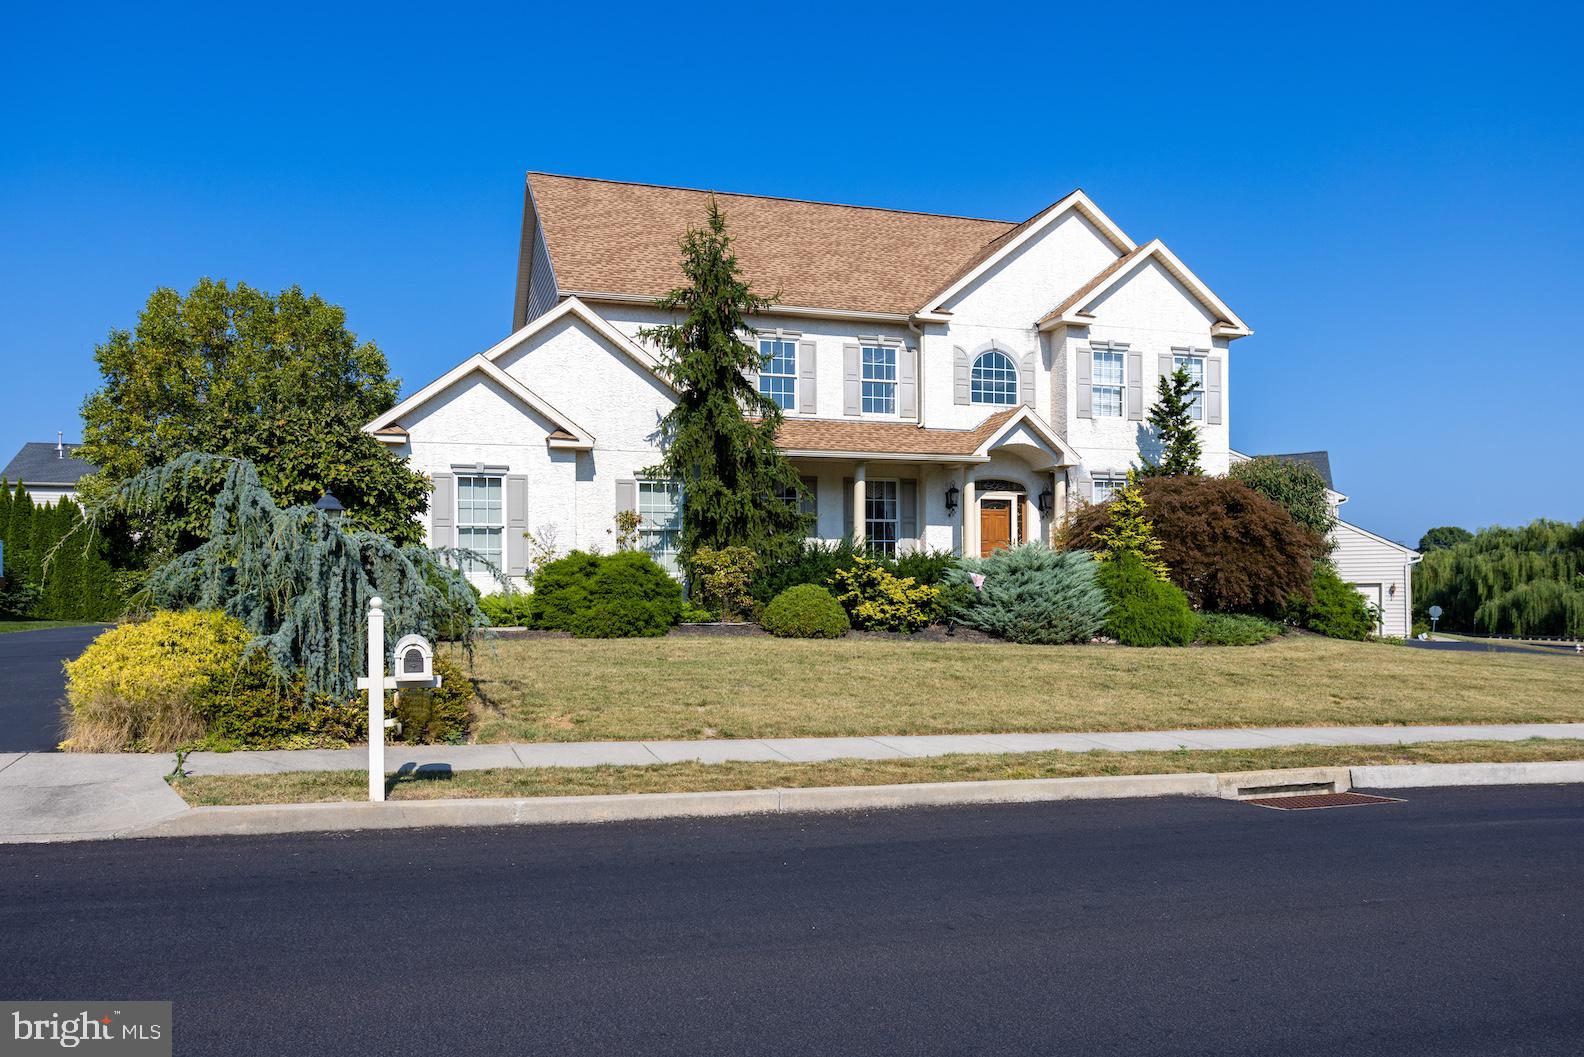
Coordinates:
(37, 625)
(554, 689)
(311, 787)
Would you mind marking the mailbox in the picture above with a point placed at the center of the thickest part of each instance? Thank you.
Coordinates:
(414, 661)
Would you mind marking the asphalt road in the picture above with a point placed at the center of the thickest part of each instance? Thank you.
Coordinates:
(32, 685)
(1456, 646)
(1450, 924)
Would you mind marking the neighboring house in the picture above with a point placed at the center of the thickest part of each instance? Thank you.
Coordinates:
(50, 471)
(1379, 569)
(947, 382)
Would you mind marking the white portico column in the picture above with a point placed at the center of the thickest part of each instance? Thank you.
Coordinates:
(970, 532)
(859, 499)
(1059, 508)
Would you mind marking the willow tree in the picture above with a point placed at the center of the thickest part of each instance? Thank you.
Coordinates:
(719, 440)
(298, 579)
(1508, 581)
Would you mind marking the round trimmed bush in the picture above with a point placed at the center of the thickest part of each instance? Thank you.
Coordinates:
(560, 590)
(1145, 611)
(806, 611)
(146, 687)
(628, 595)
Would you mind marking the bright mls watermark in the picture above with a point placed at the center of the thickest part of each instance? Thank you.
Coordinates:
(136, 1029)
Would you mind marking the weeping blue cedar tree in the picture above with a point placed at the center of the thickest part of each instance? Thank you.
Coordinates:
(297, 580)
(719, 439)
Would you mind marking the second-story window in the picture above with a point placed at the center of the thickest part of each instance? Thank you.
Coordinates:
(1108, 382)
(778, 376)
(994, 379)
(1195, 366)
(879, 379)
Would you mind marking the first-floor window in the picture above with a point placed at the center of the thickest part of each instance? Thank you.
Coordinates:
(807, 505)
(1107, 389)
(660, 527)
(778, 376)
(879, 379)
(880, 517)
(1106, 487)
(1195, 366)
(479, 519)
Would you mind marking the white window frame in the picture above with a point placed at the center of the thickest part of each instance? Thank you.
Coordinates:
(1110, 482)
(884, 400)
(978, 395)
(661, 540)
(468, 528)
(790, 377)
(1184, 357)
(1097, 388)
(885, 546)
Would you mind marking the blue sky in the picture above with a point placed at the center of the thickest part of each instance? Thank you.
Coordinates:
(1390, 196)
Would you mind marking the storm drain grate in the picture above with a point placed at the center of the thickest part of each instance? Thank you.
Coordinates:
(1304, 803)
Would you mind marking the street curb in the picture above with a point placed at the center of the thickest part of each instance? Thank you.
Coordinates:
(1431, 775)
(541, 810)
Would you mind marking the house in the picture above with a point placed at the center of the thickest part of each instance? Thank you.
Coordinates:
(50, 471)
(1378, 568)
(947, 382)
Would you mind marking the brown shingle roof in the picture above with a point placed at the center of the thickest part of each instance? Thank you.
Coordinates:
(621, 238)
(885, 438)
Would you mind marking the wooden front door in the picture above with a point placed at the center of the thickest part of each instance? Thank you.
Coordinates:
(995, 525)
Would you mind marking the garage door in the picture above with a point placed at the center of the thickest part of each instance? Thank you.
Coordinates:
(1372, 595)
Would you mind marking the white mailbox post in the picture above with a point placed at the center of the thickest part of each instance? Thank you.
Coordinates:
(414, 668)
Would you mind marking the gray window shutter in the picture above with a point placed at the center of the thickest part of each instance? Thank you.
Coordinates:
(626, 495)
(1135, 386)
(807, 394)
(907, 383)
(1086, 488)
(442, 511)
(961, 377)
(847, 507)
(1085, 383)
(516, 526)
(810, 505)
(1213, 390)
(1166, 365)
(1026, 380)
(852, 390)
(907, 503)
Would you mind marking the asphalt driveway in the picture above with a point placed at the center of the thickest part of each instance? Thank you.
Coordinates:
(32, 685)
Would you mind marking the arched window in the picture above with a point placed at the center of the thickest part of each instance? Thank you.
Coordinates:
(994, 379)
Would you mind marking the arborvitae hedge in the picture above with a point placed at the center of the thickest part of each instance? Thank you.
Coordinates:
(46, 578)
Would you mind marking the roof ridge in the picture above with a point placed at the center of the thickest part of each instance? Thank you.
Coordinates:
(780, 198)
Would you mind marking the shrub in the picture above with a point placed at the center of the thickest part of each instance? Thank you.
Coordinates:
(1144, 611)
(1235, 629)
(811, 561)
(513, 609)
(628, 595)
(1335, 610)
(439, 715)
(257, 711)
(1296, 486)
(806, 611)
(693, 613)
(927, 567)
(1031, 594)
(1128, 530)
(561, 590)
(1420, 627)
(723, 576)
(1228, 547)
(878, 600)
(148, 686)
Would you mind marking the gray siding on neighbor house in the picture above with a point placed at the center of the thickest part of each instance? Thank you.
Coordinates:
(1361, 559)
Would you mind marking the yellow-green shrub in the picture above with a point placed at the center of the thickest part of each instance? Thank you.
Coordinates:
(146, 686)
(877, 600)
(440, 715)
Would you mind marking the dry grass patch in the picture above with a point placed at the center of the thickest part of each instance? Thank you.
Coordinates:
(696, 687)
(318, 786)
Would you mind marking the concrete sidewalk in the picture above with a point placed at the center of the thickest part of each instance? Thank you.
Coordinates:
(813, 750)
(65, 796)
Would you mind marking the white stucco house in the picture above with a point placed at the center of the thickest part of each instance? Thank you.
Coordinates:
(947, 382)
(1378, 568)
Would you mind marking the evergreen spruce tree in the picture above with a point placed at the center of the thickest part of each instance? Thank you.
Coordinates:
(1171, 420)
(1130, 531)
(719, 440)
